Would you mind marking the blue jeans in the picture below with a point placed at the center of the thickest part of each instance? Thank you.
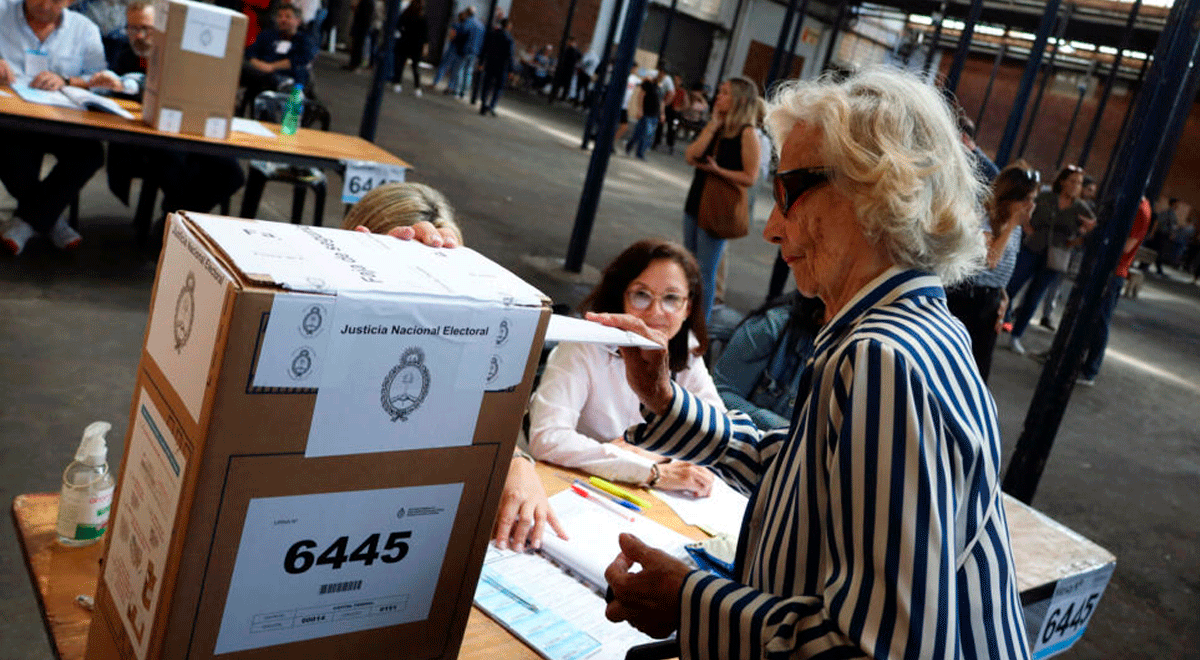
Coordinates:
(460, 77)
(1095, 355)
(450, 63)
(643, 135)
(708, 252)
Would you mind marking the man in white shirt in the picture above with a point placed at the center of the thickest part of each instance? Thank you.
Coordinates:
(47, 48)
(631, 84)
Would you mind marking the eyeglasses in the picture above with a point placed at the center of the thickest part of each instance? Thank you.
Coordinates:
(791, 185)
(641, 299)
(139, 29)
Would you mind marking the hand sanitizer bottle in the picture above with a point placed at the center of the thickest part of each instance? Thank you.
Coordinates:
(87, 490)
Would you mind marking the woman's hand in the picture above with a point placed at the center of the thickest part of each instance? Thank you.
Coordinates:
(524, 509)
(649, 598)
(709, 164)
(646, 369)
(423, 231)
(686, 478)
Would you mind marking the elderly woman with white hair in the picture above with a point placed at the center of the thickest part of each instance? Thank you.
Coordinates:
(875, 526)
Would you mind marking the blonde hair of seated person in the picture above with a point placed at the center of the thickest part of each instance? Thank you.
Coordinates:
(401, 205)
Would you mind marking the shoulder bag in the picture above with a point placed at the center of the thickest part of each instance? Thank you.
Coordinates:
(724, 210)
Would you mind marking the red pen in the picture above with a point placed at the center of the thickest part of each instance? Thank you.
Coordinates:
(602, 502)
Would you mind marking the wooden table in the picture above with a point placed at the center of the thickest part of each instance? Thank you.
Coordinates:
(1043, 551)
(307, 148)
(61, 574)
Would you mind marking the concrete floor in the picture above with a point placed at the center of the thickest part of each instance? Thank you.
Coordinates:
(1125, 470)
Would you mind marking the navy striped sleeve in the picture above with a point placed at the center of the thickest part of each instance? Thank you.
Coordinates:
(694, 431)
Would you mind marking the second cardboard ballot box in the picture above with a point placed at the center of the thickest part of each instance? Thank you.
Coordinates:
(320, 432)
(192, 78)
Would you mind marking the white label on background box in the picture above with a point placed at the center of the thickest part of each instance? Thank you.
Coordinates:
(216, 127)
(185, 316)
(205, 31)
(295, 342)
(311, 566)
(401, 374)
(1074, 602)
(160, 15)
(362, 177)
(141, 530)
(170, 121)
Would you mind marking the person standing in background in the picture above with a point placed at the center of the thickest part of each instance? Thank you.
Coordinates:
(980, 301)
(727, 147)
(1095, 354)
(456, 44)
(564, 71)
(412, 44)
(651, 104)
(497, 54)
(360, 28)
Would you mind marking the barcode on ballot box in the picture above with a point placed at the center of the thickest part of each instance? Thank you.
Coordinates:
(339, 587)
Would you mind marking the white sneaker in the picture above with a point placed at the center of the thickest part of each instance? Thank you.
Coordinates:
(1087, 382)
(18, 233)
(397, 88)
(418, 92)
(64, 236)
(1015, 346)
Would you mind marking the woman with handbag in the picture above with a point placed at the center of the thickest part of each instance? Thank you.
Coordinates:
(1059, 222)
(725, 156)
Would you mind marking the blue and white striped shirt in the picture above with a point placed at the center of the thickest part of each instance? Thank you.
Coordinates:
(875, 525)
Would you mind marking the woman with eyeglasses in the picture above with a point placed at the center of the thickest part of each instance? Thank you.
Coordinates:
(981, 301)
(583, 405)
(876, 527)
(727, 148)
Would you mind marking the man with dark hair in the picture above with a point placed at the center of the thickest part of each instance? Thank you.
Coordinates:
(278, 53)
(190, 182)
(984, 167)
(498, 58)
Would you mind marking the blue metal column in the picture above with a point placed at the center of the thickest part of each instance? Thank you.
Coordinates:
(1083, 88)
(593, 115)
(785, 29)
(593, 185)
(737, 13)
(1161, 99)
(1166, 153)
(936, 38)
(1046, 75)
(383, 68)
(835, 32)
(964, 47)
(1121, 134)
(662, 45)
(987, 92)
(1126, 37)
(1031, 69)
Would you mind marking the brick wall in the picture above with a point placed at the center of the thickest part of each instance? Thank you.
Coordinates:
(1054, 116)
(536, 23)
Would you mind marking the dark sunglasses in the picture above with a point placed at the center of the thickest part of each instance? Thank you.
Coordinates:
(791, 185)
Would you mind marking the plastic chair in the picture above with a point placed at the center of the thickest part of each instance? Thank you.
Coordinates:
(270, 106)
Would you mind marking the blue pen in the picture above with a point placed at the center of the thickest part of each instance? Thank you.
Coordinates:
(625, 503)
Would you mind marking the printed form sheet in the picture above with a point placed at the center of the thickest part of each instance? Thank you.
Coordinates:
(555, 614)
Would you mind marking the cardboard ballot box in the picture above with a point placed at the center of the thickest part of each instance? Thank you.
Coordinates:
(1061, 574)
(320, 431)
(192, 78)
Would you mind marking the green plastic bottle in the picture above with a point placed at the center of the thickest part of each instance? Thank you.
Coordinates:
(295, 108)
